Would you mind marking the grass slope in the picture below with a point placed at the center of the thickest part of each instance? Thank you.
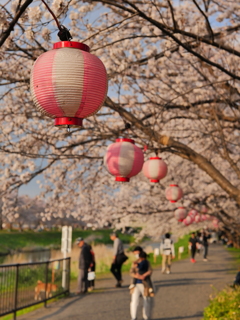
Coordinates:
(52, 239)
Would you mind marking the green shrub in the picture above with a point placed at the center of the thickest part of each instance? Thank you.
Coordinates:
(225, 306)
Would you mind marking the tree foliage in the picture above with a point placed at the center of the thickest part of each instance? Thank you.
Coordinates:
(173, 69)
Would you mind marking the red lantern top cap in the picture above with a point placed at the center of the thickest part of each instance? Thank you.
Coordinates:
(181, 207)
(125, 140)
(155, 158)
(71, 44)
(173, 185)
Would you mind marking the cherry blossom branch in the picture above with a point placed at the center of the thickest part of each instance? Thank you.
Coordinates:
(171, 35)
(12, 24)
(183, 151)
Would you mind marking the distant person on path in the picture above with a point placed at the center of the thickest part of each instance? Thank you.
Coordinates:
(118, 259)
(141, 288)
(205, 237)
(92, 268)
(85, 261)
(193, 244)
(137, 250)
(168, 253)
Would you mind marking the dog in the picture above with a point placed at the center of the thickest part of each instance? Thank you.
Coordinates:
(42, 287)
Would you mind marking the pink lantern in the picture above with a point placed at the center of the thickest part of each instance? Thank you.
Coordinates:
(187, 221)
(192, 213)
(197, 218)
(174, 193)
(204, 217)
(180, 213)
(68, 83)
(123, 159)
(155, 169)
(215, 223)
(208, 217)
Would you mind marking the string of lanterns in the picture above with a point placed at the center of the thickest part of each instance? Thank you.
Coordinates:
(69, 84)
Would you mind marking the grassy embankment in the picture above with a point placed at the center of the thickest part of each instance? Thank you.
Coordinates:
(225, 305)
(13, 240)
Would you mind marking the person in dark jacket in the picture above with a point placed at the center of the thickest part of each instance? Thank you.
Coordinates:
(193, 244)
(205, 237)
(91, 283)
(85, 262)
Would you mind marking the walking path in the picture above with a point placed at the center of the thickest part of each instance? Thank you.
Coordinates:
(183, 294)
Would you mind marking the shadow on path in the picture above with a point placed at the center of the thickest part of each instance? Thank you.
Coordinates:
(185, 317)
(73, 300)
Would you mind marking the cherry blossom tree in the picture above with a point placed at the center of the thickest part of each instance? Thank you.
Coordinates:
(173, 69)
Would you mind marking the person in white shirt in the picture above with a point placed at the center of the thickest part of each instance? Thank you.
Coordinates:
(168, 253)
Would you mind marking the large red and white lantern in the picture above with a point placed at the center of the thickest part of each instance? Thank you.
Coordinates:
(187, 221)
(155, 169)
(180, 213)
(174, 193)
(123, 159)
(68, 83)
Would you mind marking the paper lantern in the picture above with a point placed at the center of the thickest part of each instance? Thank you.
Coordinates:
(193, 213)
(174, 193)
(215, 223)
(155, 169)
(197, 218)
(68, 83)
(123, 159)
(180, 213)
(187, 221)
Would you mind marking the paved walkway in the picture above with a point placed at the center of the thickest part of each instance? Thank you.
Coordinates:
(183, 294)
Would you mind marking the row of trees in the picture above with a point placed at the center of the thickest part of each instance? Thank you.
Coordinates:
(173, 71)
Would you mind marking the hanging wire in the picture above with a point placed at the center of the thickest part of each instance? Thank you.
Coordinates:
(63, 34)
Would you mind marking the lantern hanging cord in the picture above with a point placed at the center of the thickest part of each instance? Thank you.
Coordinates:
(63, 33)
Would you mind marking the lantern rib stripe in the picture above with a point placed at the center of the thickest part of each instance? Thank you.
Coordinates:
(126, 159)
(68, 89)
(42, 91)
(137, 162)
(95, 86)
(111, 159)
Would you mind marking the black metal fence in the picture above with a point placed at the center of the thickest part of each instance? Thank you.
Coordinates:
(26, 284)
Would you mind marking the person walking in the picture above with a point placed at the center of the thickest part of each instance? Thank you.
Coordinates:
(85, 261)
(118, 259)
(141, 287)
(205, 237)
(168, 253)
(91, 271)
(193, 245)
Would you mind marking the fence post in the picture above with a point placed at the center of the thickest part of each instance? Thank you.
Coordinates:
(69, 274)
(46, 283)
(16, 292)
